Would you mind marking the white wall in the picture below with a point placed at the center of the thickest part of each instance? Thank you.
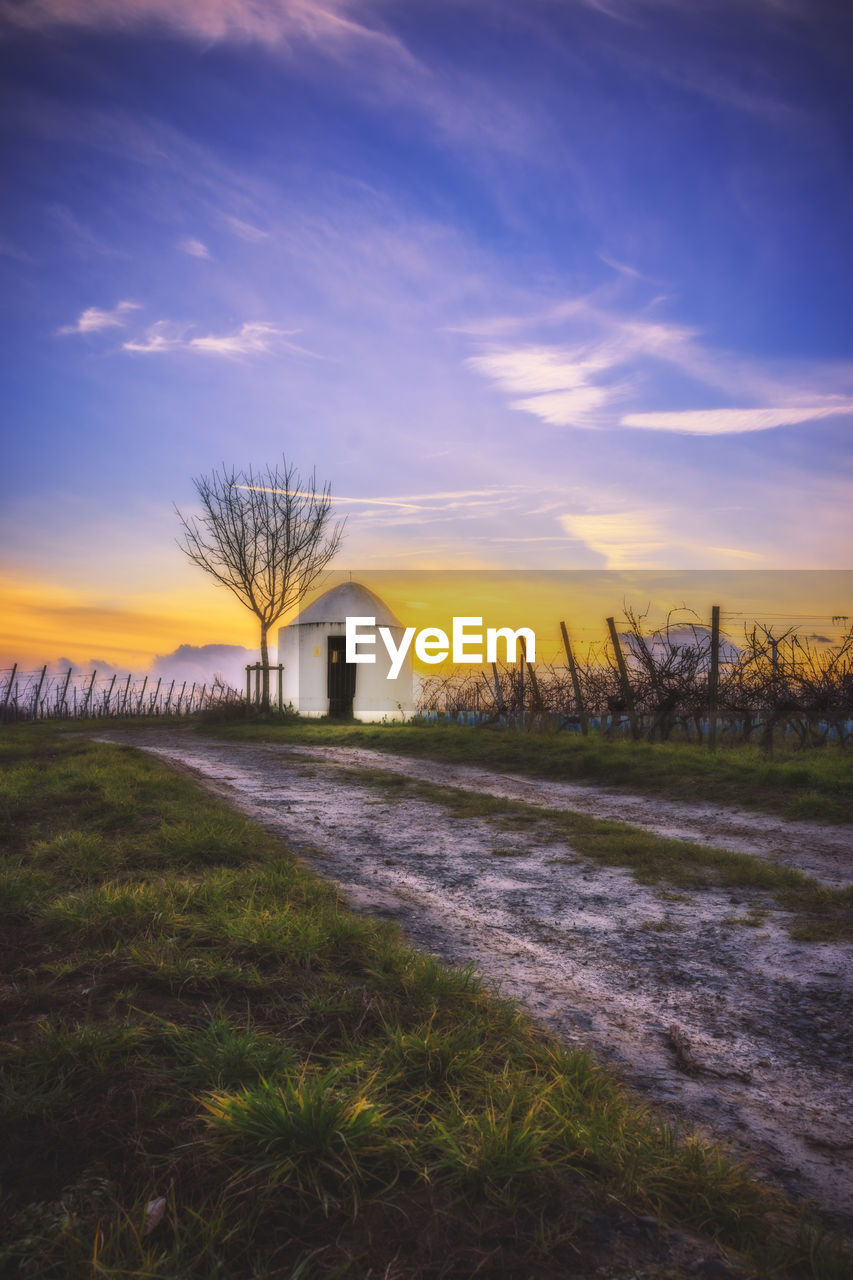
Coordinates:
(303, 649)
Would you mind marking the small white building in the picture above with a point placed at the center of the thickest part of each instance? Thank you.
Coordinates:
(318, 681)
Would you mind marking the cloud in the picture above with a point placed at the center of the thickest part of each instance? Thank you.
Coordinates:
(714, 422)
(199, 663)
(245, 230)
(579, 407)
(446, 500)
(627, 539)
(370, 60)
(583, 383)
(252, 338)
(268, 22)
(538, 369)
(642, 538)
(93, 319)
(195, 248)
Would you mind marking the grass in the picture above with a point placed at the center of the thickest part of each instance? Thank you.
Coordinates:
(190, 1015)
(815, 785)
(812, 911)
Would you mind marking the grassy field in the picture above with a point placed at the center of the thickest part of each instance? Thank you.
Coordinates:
(814, 784)
(211, 1068)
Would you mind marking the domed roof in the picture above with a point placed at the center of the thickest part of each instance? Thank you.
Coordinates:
(348, 600)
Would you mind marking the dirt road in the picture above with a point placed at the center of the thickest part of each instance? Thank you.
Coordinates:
(633, 971)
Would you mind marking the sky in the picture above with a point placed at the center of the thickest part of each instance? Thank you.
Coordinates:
(555, 285)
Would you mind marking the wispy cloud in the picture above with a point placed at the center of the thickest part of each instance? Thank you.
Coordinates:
(585, 384)
(245, 230)
(578, 407)
(272, 22)
(625, 538)
(195, 248)
(371, 61)
(445, 500)
(715, 422)
(644, 537)
(564, 386)
(94, 319)
(252, 338)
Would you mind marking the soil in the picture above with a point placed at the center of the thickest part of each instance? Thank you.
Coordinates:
(701, 1001)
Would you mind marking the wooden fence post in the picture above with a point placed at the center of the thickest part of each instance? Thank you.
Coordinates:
(534, 683)
(8, 692)
(85, 707)
(714, 677)
(280, 687)
(63, 701)
(108, 696)
(499, 698)
(576, 684)
(521, 691)
(35, 715)
(626, 684)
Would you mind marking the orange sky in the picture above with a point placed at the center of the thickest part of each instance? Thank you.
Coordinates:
(42, 621)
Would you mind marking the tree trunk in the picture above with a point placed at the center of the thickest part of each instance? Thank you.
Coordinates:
(265, 670)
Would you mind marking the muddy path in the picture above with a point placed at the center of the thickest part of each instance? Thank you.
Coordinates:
(823, 852)
(737, 1030)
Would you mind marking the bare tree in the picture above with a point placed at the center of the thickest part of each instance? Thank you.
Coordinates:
(267, 537)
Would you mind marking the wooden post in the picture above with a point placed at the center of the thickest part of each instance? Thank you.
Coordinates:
(169, 698)
(63, 700)
(623, 676)
(8, 692)
(38, 693)
(280, 687)
(141, 696)
(248, 686)
(714, 677)
(88, 694)
(521, 691)
(499, 698)
(257, 684)
(534, 683)
(576, 684)
(108, 695)
(156, 695)
(126, 692)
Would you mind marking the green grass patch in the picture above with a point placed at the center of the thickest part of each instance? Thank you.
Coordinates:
(211, 1068)
(816, 785)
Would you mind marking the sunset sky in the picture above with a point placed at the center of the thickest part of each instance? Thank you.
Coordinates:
(566, 284)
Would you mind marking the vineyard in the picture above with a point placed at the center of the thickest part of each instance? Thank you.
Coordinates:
(686, 681)
(70, 695)
(691, 682)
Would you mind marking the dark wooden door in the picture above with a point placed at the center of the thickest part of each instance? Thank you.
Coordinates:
(341, 681)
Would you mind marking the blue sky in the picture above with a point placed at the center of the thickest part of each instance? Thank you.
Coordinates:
(570, 280)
